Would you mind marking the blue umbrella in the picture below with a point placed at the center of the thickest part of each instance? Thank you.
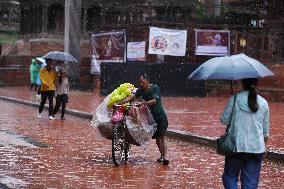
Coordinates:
(230, 68)
(42, 60)
(61, 56)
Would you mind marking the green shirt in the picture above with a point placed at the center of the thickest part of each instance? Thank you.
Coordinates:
(157, 110)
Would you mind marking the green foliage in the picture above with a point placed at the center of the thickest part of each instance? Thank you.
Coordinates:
(8, 36)
(200, 10)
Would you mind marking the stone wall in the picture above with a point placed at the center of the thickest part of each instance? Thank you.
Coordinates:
(41, 48)
(14, 71)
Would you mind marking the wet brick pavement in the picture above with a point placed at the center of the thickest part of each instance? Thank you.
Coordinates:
(195, 115)
(77, 158)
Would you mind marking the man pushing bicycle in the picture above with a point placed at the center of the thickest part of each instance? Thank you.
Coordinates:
(151, 95)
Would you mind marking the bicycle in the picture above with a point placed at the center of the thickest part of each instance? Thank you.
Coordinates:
(120, 144)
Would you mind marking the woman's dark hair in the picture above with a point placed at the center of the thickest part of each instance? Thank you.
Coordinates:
(48, 60)
(249, 84)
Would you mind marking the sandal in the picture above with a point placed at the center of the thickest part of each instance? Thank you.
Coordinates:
(166, 162)
(160, 160)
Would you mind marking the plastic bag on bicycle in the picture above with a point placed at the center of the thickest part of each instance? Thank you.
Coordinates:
(118, 115)
(139, 121)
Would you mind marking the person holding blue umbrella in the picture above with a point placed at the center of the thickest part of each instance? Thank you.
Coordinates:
(248, 116)
(246, 113)
(231, 68)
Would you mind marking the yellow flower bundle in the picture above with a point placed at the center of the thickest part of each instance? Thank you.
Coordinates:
(120, 93)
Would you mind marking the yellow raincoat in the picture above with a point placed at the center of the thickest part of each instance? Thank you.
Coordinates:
(47, 79)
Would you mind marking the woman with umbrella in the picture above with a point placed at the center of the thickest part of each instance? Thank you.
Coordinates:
(246, 114)
(249, 123)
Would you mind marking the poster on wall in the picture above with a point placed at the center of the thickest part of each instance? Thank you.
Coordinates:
(136, 51)
(107, 47)
(167, 41)
(212, 42)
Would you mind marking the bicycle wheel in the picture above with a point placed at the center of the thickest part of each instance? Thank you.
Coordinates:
(118, 141)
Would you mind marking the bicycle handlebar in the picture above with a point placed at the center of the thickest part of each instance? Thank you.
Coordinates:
(121, 105)
(117, 105)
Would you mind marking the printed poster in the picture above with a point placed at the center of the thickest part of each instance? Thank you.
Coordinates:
(167, 41)
(107, 47)
(136, 51)
(212, 42)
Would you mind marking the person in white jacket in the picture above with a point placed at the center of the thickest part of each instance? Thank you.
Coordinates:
(250, 126)
(62, 91)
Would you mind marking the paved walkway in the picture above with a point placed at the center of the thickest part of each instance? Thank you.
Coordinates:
(69, 154)
(195, 115)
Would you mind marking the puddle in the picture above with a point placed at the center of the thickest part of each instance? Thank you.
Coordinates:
(8, 138)
(11, 182)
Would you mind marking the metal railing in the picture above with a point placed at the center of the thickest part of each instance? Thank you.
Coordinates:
(8, 50)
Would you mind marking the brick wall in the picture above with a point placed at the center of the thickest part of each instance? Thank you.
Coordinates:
(16, 65)
(277, 81)
(15, 77)
(40, 49)
(14, 70)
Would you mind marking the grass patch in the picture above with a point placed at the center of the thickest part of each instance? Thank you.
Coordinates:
(8, 36)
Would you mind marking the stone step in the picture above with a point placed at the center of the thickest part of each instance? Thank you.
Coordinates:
(10, 67)
(3, 84)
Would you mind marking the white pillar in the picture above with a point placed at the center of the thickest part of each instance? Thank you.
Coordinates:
(67, 25)
(72, 35)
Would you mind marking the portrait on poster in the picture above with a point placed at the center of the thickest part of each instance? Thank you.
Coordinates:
(107, 47)
(212, 42)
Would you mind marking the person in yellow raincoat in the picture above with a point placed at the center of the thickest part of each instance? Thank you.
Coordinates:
(47, 77)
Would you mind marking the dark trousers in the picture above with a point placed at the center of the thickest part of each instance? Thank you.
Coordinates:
(247, 165)
(44, 96)
(38, 91)
(61, 100)
(33, 85)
